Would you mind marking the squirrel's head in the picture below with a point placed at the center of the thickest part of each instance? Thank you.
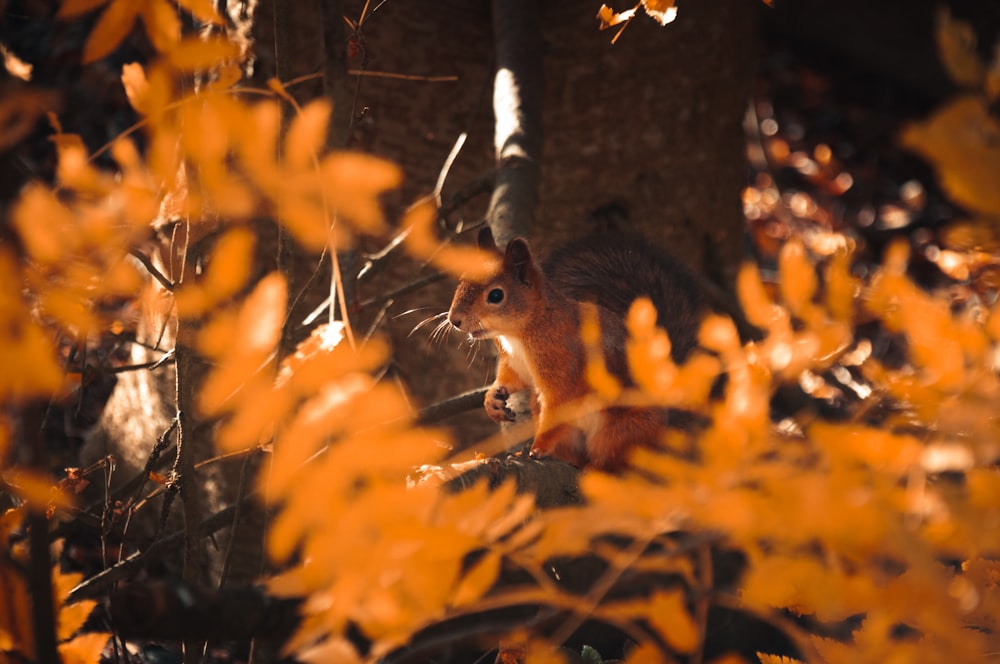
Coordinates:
(502, 303)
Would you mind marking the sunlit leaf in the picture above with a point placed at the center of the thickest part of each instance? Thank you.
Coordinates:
(259, 323)
(956, 42)
(203, 10)
(162, 23)
(798, 279)
(84, 649)
(662, 11)
(192, 54)
(227, 272)
(307, 135)
(136, 86)
(962, 141)
(421, 241)
(354, 181)
(73, 8)
(111, 28)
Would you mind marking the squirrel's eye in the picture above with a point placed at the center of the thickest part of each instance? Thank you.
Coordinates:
(495, 296)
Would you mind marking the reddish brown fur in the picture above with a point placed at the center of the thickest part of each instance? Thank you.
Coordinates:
(539, 320)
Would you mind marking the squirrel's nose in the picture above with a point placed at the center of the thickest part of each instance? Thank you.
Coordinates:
(456, 322)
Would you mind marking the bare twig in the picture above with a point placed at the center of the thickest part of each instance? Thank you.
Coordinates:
(401, 77)
(453, 406)
(402, 290)
(152, 269)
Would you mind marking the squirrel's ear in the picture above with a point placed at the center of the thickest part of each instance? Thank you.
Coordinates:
(485, 239)
(518, 258)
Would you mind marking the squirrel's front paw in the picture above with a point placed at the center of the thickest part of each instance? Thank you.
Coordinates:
(496, 404)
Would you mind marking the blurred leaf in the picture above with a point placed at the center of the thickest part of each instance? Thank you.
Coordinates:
(84, 649)
(192, 54)
(306, 136)
(956, 42)
(203, 10)
(962, 142)
(242, 356)
(73, 8)
(162, 23)
(136, 86)
(111, 28)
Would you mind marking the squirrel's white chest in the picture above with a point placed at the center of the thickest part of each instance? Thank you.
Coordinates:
(517, 358)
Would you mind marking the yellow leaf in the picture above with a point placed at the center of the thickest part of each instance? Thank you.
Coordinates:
(74, 8)
(478, 580)
(136, 86)
(422, 242)
(203, 10)
(192, 53)
(759, 308)
(841, 287)
(227, 273)
(666, 611)
(338, 650)
(962, 142)
(162, 24)
(306, 136)
(109, 31)
(776, 659)
(37, 489)
(662, 11)
(644, 653)
(798, 280)
(259, 324)
(956, 42)
(354, 182)
(84, 649)
(609, 17)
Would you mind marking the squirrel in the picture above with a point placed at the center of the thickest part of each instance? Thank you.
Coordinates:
(532, 312)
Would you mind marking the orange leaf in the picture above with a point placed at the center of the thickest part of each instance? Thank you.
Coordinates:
(956, 42)
(162, 24)
(798, 280)
(962, 141)
(191, 54)
(662, 11)
(74, 8)
(84, 649)
(422, 242)
(355, 181)
(259, 324)
(136, 86)
(109, 31)
(307, 135)
(203, 10)
(227, 272)
(478, 580)
(609, 17)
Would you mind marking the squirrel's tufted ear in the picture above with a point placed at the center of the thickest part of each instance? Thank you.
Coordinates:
(485, 239)
(518, 258)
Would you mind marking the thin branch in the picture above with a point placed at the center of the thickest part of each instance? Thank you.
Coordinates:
(402, 290)
(102, 581)
(517, 107)
(152, 269)
(401, 77)
(461, 403)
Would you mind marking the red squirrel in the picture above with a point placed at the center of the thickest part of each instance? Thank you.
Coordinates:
(532, 312)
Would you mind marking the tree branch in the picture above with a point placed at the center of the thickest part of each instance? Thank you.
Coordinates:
(517, 108)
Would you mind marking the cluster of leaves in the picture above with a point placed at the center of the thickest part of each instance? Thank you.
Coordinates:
(888, 526)
(961, 137)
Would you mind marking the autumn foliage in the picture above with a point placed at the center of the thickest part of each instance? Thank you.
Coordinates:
(886, 522)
